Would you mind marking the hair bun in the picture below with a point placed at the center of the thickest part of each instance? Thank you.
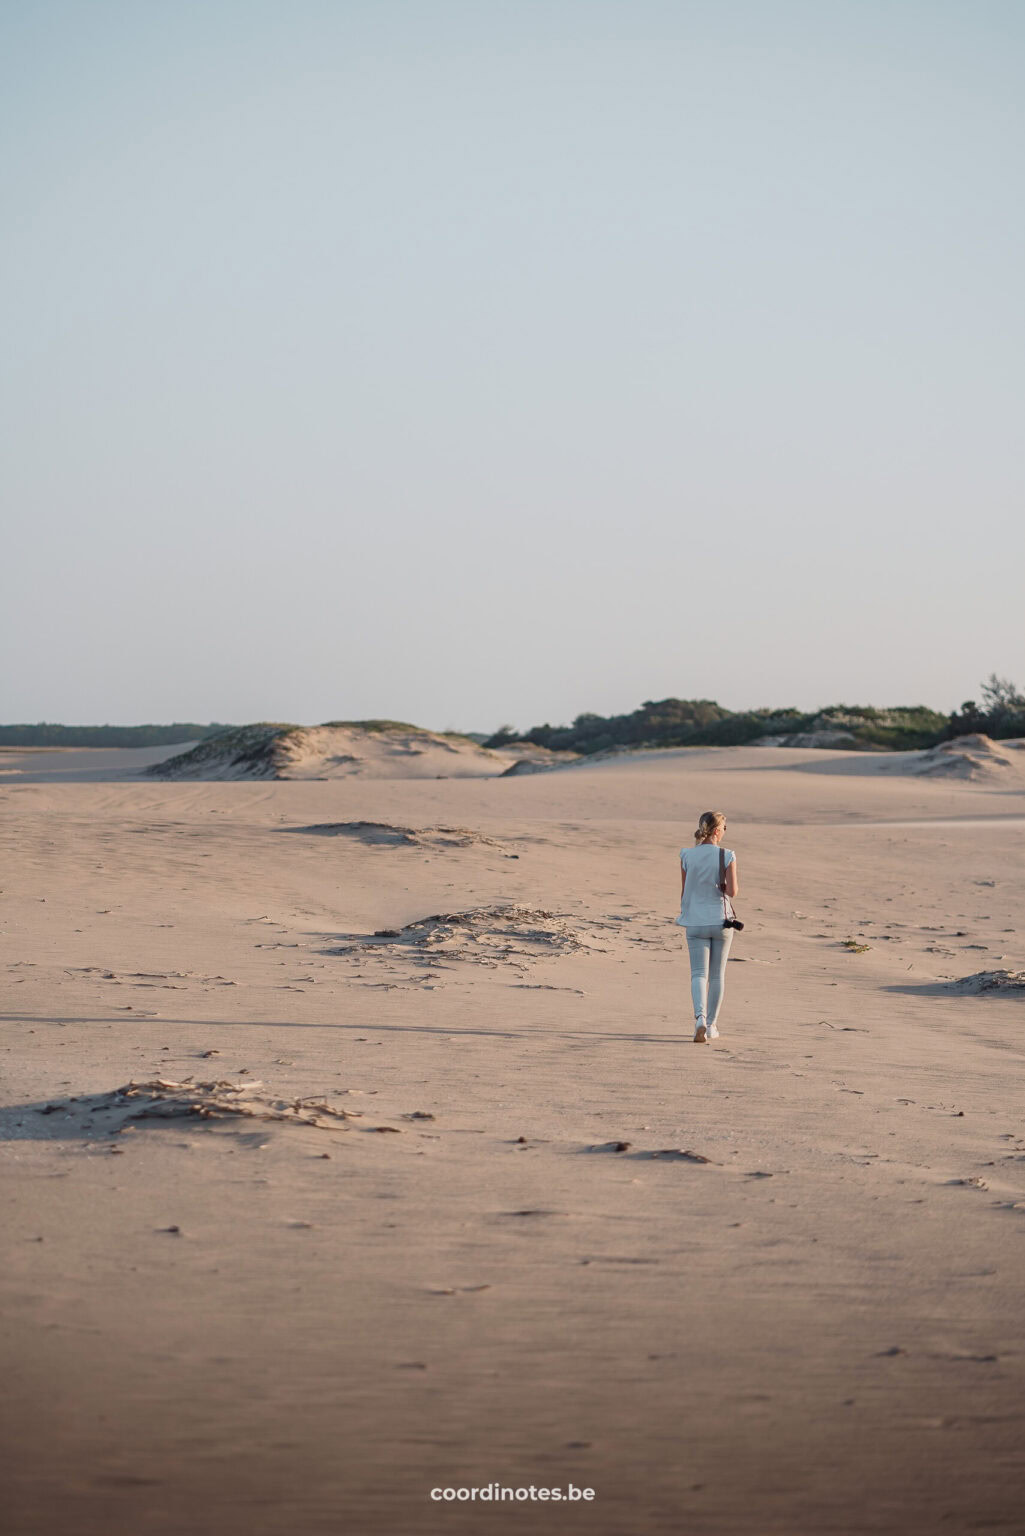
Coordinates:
(709, 823)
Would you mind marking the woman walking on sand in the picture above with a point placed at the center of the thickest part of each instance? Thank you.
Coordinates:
(702, 913)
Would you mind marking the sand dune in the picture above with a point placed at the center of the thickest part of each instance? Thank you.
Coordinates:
(973, 757)
(769, 1285)
(268, 751)
(273, 752)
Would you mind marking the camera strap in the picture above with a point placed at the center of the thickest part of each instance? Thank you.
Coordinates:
(727, 905)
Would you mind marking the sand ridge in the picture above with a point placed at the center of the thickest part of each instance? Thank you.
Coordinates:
(382, 749)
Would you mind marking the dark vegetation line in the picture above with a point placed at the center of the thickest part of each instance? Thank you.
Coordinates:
(665, 723)
(47, 735)
(704, 723)
(51, 735)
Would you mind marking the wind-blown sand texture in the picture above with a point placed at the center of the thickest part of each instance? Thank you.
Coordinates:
(419, 1181)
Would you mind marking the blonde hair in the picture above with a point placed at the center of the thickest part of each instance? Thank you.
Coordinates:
(709, 823)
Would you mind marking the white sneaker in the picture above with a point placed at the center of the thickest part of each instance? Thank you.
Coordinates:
(713, 1033)
(700, 1034)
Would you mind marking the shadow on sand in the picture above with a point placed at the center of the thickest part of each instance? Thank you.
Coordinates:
(955, 989)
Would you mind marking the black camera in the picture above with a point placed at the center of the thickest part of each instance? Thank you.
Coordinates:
(732, 922)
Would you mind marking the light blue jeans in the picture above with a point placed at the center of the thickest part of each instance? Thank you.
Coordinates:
(709, 948)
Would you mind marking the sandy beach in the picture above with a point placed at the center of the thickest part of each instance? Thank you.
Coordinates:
(532, 1235)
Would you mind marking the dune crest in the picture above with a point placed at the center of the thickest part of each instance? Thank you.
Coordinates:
(339, 749)
(968, 757)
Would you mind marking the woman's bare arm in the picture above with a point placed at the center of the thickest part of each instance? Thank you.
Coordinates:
(732, 883)
(683, 880)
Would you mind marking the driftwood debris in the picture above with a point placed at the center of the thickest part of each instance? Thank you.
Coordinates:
(160, 1099)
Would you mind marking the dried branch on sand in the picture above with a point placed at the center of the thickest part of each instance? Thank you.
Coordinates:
(163, 1100)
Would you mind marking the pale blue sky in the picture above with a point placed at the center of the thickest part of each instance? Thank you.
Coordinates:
(473, 362)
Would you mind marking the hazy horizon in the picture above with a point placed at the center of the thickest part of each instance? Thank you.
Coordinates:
(466, 364)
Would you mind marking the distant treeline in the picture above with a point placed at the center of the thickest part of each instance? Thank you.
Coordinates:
(704, 723)
(665, 723)
(46, 735)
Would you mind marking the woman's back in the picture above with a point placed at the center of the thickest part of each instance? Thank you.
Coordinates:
(702, 899)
